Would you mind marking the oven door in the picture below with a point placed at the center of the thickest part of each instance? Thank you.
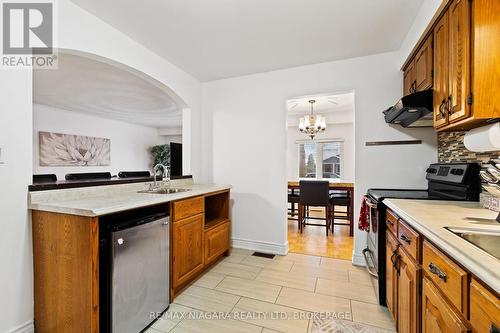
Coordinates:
(371, 251)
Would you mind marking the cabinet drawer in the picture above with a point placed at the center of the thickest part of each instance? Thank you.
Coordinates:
(187, 207)
(437, 315)
(216, 242)
(391, 220)
(410, 240)
(448, 276)
(484, 309)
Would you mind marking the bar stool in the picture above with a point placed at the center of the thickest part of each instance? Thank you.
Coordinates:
(293, 199)
(314, 194)
(341, 198)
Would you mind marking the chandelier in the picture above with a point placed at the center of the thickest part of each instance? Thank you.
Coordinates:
(312, 124)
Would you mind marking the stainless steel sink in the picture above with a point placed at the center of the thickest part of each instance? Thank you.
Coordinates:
(165, 191)
(486, 240)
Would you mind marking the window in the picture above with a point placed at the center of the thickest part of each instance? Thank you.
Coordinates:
(322, 159)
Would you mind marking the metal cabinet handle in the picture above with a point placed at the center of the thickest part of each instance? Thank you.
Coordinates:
(448, 106)
(494, 329)
(405, 238)
(389, 222)
(437, 271)
(441, 107)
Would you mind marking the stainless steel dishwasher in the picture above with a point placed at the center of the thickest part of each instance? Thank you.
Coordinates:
(136, 280)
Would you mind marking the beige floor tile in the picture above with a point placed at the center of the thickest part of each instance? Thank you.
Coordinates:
(215, 326)
(235, 250)
(267, 330)
(335, 263)
(235, 258)
(206, 299)
(238, 270)
(372, 314)
(249, 288)
(353, 291)
(287, 279)
(315, 302)
(338, 274)
(172, 317)
(152, 330)
(281, 265)
(300, 258)
(209, 280)
(360, 276)
(296, 321)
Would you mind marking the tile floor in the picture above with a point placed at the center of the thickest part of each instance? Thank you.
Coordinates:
(294, 286)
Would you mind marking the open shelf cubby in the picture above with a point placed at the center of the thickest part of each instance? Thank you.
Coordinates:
(216, 209)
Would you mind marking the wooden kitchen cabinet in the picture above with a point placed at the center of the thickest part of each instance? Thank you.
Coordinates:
(423, 66)
(216, 241)
(441, 76)
(408, 300)
(409, 79)
(484, 309)
(437, 315)
(391, 277)
(187, 256)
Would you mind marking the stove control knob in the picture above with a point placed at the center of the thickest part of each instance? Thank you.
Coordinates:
(457, 172)
(431, 170)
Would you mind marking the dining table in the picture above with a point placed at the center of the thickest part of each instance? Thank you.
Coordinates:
(339, 185)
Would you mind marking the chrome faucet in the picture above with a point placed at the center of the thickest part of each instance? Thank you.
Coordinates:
(166, 175)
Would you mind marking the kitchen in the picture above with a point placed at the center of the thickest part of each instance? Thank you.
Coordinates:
(220, 107)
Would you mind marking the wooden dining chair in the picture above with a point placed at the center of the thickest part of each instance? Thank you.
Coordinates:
(341, 198)
(314, 193)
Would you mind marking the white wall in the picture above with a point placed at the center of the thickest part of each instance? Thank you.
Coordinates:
(248, 140)
(171, 138)
(130, 144)
(80, 31)
(343, 131)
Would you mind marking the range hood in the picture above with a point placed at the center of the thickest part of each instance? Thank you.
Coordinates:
(414, 110)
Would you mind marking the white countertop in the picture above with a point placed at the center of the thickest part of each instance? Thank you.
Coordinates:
(429, 217)
(102, 200)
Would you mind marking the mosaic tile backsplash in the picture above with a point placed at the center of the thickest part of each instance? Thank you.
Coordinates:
(451, 149)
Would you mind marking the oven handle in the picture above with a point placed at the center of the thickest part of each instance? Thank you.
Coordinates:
(370, 204)
(368, 267)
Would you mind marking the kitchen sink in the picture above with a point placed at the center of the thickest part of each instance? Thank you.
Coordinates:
(165, 191)
(486, 240)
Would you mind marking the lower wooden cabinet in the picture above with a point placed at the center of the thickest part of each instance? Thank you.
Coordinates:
(484, 309)
(437, 315)
(187, 258)
(216, 241)
(408, 294)
(391, 275)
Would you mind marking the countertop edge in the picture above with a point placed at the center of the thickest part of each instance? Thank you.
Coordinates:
(160, 199)
(472, 266)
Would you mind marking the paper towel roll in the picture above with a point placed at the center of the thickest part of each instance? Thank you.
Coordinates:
(486, 138)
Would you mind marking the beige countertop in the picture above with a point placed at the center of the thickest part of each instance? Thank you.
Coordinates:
(102, 200)
(430, 217)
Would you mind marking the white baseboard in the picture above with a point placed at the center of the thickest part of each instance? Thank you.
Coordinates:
(358, 260)
(27, 327)
(265, 247)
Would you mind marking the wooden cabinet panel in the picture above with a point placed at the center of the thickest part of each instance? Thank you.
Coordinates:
(450, 278)
(484, 309)
(459, 51)
(410, 240)
(187, 207)
(409, 79)
(391, 278)
(441, 72)
(486, 60)
(391, 220)
(187, 247)
(437, 315)
(408, 295)
(216, 242)
(423, 65)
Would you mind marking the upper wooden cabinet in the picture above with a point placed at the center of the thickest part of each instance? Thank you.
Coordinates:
(462, 44)
(417, 75)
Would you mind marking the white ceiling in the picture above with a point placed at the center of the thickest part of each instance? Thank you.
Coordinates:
(221, 38)
(336, 107)
(89, 86)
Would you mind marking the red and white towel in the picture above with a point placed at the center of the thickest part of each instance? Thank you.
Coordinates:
(364, 215)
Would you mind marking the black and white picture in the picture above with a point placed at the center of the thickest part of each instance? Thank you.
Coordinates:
(73, 150)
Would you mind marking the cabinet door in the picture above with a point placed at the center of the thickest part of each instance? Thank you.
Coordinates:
(459, 48)
(408, 295)
(423, 66)
(441, 74)
(391, 275)
(437, 315)
(187, 244)
(216, 242)
(409, 79)
(484, 309)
